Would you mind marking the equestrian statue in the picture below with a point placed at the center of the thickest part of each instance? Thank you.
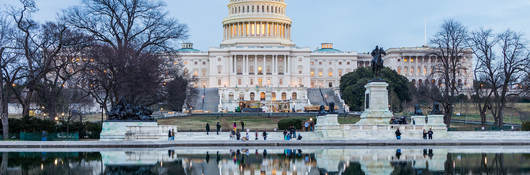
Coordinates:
(377, 61)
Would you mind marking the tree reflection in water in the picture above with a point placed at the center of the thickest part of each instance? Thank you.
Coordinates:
(278, 161)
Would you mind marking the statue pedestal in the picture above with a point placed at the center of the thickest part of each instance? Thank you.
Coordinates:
(328, 127)
(376, 105)
(134, 130)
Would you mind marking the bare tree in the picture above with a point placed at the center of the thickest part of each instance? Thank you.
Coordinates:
(486, 75)
(131, 31)
(450, 49)
(514, 56)
(39, 46)
(64, 70)
(7, 59)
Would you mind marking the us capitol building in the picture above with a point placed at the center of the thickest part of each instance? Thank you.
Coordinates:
(258, 66)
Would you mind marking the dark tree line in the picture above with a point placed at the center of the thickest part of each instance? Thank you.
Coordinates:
(101, 51)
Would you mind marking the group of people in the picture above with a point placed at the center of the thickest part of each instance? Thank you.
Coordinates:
(426, 134)
(291, 134)
(218, 128)
(309, 125)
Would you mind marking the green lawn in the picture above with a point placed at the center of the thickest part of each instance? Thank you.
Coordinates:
(253, 123)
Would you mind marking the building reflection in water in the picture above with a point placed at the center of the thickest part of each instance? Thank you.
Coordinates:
(273, 161)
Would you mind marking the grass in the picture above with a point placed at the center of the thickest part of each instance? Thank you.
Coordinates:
(253, 123)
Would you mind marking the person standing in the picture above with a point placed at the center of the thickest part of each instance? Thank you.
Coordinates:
(306, 126)
(207, 129)
(256, 134)
(169, 135)
(430, 133)
(398, 134)
(238, 135)
(242, 126)
(424, 134)
(172, 134)
(218, 126)
(264, 134)
(235, 127)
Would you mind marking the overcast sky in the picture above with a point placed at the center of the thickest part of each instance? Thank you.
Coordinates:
(352, 25)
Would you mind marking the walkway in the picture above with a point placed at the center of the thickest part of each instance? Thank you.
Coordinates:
(274, 143)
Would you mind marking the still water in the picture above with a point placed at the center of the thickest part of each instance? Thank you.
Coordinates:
(273, 161)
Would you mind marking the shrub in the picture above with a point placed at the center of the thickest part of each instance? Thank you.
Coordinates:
(525, 126)
(37, 125)
(286, 123)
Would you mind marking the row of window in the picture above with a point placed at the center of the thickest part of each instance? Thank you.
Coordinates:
(257, 9)
(259, 83)
(440, 82)
(409, 59)
(330, 63)
(263, 96)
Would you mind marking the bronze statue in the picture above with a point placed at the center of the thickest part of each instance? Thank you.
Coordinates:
(377, 62)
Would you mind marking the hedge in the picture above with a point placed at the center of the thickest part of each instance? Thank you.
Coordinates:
(525, 126)
(286, 123)
(37, 125)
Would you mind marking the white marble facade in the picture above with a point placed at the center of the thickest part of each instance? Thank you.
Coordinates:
(257, 60)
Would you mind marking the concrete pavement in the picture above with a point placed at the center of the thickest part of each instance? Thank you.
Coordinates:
(271, 143)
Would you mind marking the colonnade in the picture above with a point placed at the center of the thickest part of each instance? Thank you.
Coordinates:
(268, 64)
(257, 29)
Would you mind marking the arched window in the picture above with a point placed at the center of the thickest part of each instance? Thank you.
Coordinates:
(294, 96)
(284, 96)
(262, 96)
(252, 96)
(241, 96)
(273, 95)
(399, 70)
(231, 96)
(330, 84)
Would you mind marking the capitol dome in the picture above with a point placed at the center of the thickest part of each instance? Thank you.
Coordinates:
(257, 23)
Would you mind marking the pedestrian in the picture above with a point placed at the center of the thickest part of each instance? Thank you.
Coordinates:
(264, 134)
(285, 134)
(312, 124)
(256, 134)
(218, 125)
(207, 129)
(398, 134)
(238, 135)
(232, 133)
(306, 126)
(247, 137)
(424, 134)
(430, 133)
(169, 135)
(235, 127)
(299, 137)
(172, 134)
(242, 126)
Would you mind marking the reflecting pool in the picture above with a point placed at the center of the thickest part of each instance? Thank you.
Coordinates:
(273, 161)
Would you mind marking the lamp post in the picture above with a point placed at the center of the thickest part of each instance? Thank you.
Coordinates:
(101, 106)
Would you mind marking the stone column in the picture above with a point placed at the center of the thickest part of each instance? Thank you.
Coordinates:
(264, 66)
(285, 66)
(287, 62)
(274, 60)
(255, 66)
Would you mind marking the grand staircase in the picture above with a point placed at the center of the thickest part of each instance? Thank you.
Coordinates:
(324, 96)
